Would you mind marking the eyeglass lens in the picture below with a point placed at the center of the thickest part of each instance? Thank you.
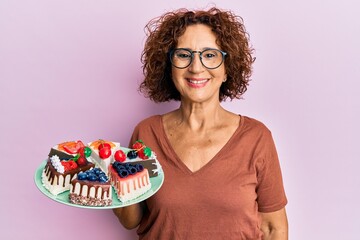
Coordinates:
(210, 58)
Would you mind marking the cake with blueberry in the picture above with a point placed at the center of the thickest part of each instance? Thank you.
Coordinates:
(139, 154)
(102, 153)
(58, 172)
(129, 180)
(91, 188)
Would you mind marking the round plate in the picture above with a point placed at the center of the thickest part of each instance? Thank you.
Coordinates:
(156, 183)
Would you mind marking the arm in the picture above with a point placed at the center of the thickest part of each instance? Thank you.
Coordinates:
(274, 225)
(130, 216)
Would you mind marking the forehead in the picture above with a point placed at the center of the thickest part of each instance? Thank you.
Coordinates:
(196, 37)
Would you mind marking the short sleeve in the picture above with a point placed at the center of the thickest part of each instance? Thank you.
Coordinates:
(270, 190)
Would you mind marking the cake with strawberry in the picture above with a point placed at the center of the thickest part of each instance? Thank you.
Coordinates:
(66, 150)
(91, 188)
(59, 171)
(139, 153)
(102, 153)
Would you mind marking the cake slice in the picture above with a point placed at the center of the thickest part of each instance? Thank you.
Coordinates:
(91, 188)
(57, 174)
(139, 154)
(129, 181)
(66, 150)
(102, 153)
(65, 161)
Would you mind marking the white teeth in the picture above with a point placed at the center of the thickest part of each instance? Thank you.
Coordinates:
(197, 82)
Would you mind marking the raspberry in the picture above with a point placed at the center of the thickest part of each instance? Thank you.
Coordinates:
(81, 161)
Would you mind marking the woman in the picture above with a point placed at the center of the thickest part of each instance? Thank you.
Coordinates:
(222, 174)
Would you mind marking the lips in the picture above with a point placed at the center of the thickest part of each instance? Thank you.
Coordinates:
(197, 83)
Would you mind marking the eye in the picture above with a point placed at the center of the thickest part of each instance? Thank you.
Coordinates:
(209, 54)
(182, 54)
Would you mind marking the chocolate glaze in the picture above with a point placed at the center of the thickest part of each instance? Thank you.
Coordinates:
(61, 154)
(106, 187)
(149, 164)
(51, 172)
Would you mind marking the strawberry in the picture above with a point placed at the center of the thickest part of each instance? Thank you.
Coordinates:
(79, 144)
(138, 145)
(81, 152)
(66, 165)
(144, 153)
(72, 164)
(73, 147)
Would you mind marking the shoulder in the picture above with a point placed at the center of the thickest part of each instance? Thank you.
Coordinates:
(147, 129)
(149, 122)
(253, 125)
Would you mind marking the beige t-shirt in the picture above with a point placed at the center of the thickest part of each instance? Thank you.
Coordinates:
(223, 198)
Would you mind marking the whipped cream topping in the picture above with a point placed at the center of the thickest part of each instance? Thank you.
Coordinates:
(55, 161)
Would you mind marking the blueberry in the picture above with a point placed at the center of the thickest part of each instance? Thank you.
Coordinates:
(82, 176)
(103, 178)
(132, 170)
(116, 164)
(127, 165)
(92, 177)
(101, 174)
(132, 154)
(121, 169)
(122, 166)
(123, 173)
(139, 167)
(97, 171)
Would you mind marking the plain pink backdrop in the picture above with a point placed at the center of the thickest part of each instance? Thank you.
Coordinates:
(70, 70)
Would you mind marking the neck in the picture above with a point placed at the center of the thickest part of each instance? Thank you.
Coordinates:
(200, 116)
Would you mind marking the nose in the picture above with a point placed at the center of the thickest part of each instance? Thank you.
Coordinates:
(196, 64)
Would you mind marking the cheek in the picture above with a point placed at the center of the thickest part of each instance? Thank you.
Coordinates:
(176, 74)
(220, 74)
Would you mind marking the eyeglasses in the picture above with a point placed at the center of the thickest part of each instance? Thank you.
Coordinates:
(210, 58)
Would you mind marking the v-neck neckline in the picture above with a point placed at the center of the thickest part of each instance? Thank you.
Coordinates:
(182, 166)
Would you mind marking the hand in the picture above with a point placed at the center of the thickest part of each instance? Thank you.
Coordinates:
(130, 216)
(274, 225)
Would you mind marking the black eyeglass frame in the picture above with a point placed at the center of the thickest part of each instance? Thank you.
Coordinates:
(223, 54)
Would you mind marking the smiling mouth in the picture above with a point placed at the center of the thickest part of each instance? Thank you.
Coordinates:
(198, 82)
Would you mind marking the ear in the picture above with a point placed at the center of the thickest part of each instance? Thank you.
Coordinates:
(225, 78)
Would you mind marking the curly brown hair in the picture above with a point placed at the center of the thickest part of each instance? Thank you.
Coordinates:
(162, 35)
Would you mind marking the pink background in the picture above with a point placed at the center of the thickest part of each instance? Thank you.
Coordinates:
(70, 69)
